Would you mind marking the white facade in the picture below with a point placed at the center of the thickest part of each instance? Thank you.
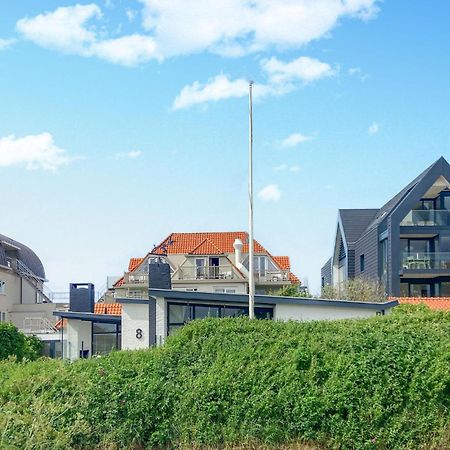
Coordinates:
(135, 326)
(309, 313)
(146, 321)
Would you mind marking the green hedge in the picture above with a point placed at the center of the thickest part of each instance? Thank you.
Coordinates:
(380, 383)
(16, 344)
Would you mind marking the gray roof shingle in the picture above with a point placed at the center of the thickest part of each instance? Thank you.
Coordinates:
(24, 254)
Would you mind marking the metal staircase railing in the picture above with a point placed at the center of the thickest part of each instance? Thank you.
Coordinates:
(23, 270)
(35, 325)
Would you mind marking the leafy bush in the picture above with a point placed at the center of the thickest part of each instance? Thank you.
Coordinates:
(356, 289)
(15, 343)
(379, 383)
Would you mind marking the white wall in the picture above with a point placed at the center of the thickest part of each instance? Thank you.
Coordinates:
(313, 312)
(161, 319)
(77, 335)
(18, 313)
(135, 317)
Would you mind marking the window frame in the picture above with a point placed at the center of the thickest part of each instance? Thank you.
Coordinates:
(222, 307)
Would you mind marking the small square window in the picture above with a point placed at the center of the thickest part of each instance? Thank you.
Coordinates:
(361, 263)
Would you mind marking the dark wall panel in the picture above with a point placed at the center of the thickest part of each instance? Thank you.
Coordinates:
(367, 246)
(326, 272)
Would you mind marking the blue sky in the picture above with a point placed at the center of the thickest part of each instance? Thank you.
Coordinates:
(123, 121)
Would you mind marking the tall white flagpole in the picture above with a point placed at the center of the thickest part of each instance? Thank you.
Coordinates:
(251, 250)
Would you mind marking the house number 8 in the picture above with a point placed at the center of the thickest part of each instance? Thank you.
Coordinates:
(139, 333)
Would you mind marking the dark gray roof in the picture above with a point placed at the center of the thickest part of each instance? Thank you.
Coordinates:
(259, 299)
(355, 222)
(22, 253)
(393, 202)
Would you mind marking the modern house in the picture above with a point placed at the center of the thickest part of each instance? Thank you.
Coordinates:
(215, 262)
(135, 323)
(405, 244)
(23, 301)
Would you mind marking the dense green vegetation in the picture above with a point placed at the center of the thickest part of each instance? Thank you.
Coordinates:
(381, 383)
(16, 344)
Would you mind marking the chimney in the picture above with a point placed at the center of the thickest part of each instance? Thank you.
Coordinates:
(238, 251)
(238, 256)
(82, 297)
(159, 275)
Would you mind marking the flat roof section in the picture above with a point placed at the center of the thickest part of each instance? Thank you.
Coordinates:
(273, 300)
(87, 316)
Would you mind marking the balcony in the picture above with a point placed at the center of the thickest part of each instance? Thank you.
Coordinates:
(426, 261)
(136, 279)
(271, 276)
(222, 272)
(427, 218)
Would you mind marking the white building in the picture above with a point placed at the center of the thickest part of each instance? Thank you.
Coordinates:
(141, 323)
(215, 262)
(23, 300)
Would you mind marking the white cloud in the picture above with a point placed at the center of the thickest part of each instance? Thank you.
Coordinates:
(63, 29)
(270, 193)
(131, 14)
(178, 27)
(286, 168)
(302, 69)
(127, 50)
(6, 43)
(217, 88)
(189, 26)
(357, 72)
(67, 29)
(130, 155)
(373, 129)
(281, 168)
(282, 78)
(294, 139)
(33, 151)
(354, 71)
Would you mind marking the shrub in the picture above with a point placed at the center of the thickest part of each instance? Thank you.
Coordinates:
(356, 289)
(379, 383)
(15, 343)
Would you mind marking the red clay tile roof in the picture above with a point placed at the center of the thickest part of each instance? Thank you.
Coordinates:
(60, 324)
(435, 303)
(134, 262)
(184, 243)
(206, 247)
(119, 282)
(284, 263)
(294, 278)
(114, 309)
(209, 243)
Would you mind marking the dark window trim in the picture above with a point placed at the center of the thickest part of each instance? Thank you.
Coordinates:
(117, 332)
(221, 307)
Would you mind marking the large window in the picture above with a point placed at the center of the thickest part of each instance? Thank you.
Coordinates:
(2, 287)
(105, 338)
(181, 313)
(445, 289)
(420, 290)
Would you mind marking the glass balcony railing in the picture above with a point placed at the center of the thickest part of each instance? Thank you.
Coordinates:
(426, 261)
(222, 272)
(427, 218)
